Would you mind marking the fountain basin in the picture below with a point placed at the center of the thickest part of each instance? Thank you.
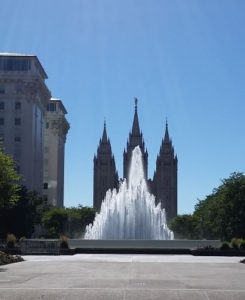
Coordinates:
(140, 246)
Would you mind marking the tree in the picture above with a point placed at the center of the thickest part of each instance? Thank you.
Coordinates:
(184, 227)
(69, 221)
(55, 221)
(22, 216)
(221, 215)
(9, 181)
(78, 218)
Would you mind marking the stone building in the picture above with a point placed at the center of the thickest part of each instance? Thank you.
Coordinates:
(164, 183)
(24, 98)
(55, 131)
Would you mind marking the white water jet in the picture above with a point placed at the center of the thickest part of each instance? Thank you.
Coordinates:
(131, 212)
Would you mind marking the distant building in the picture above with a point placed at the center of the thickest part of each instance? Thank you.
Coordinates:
(24, 99)
(55, 131)
(164, 183)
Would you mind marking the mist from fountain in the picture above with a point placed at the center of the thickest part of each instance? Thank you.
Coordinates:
(131, 212)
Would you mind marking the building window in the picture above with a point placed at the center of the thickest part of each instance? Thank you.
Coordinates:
(13, 64)
(45, 199)
(47, 125)
(17, 105)
(1, 121)
(17, 139)
(17, 121)
(1, 141)
(51, 107)
(17, 169)
(45, 186)
(1, 105)
(2, 89)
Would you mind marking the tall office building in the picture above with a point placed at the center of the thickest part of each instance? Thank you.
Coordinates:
(55, 130)
(25, 111)
(23, 101)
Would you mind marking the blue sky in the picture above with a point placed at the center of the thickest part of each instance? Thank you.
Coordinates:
(183, 59)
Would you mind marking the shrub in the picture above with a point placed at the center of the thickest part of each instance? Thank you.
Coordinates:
(235, 243)
(11, 240)
(64, 242)
(225, 246)
(8, 259)
(242, 245)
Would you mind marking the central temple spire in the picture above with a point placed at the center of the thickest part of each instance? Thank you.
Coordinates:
(166, 136)
(104, 136)
(136, 127)
(135, 139)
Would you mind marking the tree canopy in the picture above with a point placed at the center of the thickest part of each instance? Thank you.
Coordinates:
(9, 181)
(220, 215)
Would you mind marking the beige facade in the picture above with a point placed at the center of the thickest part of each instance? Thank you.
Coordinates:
(55, 130)
(25, 113)
(23, 100)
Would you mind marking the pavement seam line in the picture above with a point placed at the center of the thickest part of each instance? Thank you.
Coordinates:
(123, 289)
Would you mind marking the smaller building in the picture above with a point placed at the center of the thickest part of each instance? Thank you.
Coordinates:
(55, 131)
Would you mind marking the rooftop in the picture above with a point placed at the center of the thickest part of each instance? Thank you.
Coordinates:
(12, 54)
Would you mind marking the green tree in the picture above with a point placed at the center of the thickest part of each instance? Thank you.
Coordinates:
(184, 227)
(21, 217)
(78, 218)
(55, 222)
(9, 181)
(222, 214)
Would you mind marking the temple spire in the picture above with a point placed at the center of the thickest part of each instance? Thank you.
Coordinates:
(136, 127)
(166, 137)
(104, 137)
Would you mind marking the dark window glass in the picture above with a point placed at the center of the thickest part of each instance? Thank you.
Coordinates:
(1, 105)
(17, 139)
(17, 121)
(51, 107)
(2, 89)
(1, 121)
(1, 141)
(45, 186)
(17, 105)
(14, 64)
(18, 169)
(47, 125)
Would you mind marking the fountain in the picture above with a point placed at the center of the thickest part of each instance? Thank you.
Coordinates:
(130, 213)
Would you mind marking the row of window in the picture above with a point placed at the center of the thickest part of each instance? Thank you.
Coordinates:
(13, 64)
(17, 105)
(17, 121)
(17, 139)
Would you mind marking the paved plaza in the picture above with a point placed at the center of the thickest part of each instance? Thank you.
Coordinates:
(124, 277)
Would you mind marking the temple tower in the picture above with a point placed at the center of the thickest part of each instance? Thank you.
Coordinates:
(105, 174)
(165, 177)
(135, 139)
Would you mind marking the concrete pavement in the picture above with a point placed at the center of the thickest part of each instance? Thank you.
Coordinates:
(124, 277)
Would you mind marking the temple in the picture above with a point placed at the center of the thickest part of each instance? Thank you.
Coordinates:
(164, 183)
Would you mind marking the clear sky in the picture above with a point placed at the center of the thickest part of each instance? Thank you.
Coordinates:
(183, 59)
